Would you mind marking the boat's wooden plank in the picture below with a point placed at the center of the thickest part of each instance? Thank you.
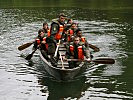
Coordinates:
(59, 63)
(60, 66)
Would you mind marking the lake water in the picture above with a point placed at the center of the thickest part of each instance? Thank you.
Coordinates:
(108, 24)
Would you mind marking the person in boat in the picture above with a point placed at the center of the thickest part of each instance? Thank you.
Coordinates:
(69, 35)
(69, 23)
(55, 34)
(45, 27)
(77, 50)
(66, 28)
(57, 27)
(40, 42)
(82, 38)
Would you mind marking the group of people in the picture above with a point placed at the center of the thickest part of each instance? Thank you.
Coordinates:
(69, 33)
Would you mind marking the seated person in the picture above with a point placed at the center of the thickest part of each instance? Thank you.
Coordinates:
(77, 51)
(40, 42)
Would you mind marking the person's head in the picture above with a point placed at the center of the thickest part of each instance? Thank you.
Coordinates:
(69, 21)
(76, 40)
(41, 33)
(73, 26)
(62, 17)
(45, 25)
(79, 32)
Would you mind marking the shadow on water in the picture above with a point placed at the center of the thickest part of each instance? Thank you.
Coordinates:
(58, 90)
(61, 90)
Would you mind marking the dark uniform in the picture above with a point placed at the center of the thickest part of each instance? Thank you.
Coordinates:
(74, 54)
(54, 37)
(39, 42)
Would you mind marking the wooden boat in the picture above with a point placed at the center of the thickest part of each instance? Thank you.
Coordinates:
(62, 72)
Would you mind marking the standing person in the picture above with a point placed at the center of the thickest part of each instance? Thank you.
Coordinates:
(57, 27)
(77, 51)
(55, 35)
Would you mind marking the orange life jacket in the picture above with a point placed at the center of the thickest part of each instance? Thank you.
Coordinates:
(80, 51)
(59, 33)
(71, 32)
(46, 44)
(48, 34)
(39, 42)
(83, 39)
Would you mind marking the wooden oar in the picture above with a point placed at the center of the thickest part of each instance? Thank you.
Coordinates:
(58, 44)
(24, 46)
(96, 49)
(30, 55)
(99, 60)
(62, 61)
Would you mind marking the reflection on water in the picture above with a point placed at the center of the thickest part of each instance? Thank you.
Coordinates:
(62, 90)
(109, 30)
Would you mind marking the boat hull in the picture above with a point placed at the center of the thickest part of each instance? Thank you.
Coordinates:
(60, 73)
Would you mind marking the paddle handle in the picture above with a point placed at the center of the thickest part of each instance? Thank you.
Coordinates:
(58, 44)
(30, 55)
(99, 60)
(62, 61)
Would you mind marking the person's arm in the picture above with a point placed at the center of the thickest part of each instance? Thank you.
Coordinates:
(86, 52)
(86, 44)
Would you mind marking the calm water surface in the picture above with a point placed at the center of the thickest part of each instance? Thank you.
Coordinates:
(110, 28)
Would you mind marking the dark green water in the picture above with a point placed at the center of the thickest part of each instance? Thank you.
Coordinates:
(108, 24)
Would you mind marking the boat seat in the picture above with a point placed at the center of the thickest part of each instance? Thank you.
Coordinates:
(60, 66)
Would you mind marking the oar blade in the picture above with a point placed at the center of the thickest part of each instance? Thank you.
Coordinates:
(30, 55)
(104, 61)
(24, 46)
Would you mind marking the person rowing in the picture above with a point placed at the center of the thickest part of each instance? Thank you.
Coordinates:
(40, 42)
(77, 50)
(82, 38)
(70, 32)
